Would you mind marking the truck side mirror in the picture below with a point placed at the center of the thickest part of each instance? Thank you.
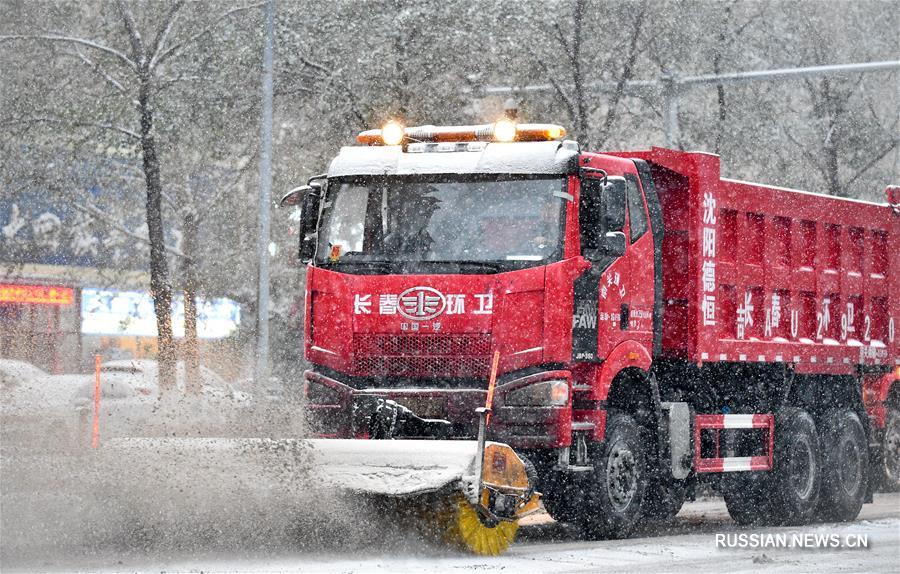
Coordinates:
(293, 197)
(612, 204)
(602, 217)
(309, 198)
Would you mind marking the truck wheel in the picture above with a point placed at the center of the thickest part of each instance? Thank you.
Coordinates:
(890, 451)
(614, 500)
(845, 465)
(747, 497)
(560, 491)
(798, 467)
(560, 497)
(664, 499)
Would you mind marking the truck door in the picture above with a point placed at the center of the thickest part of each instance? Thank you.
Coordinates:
(637, 304)
(600, 292)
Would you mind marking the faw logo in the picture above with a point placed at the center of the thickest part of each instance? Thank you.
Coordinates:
(423, 304)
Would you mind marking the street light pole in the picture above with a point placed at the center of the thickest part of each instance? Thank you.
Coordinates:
(670, 86)
(265, 200)
(670, 93)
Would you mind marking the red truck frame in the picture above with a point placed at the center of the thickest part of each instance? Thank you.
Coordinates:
(716, 330)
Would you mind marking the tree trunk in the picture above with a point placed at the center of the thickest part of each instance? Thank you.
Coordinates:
(720, 88)
(160, 289)
(627, 72)
(191, 345)
(831, 168)
(832, 103)
(581, 124)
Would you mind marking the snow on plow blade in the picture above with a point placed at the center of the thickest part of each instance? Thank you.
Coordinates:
(434, 481)
(393, 467)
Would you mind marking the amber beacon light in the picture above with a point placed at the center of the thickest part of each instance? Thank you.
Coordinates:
(504, 130)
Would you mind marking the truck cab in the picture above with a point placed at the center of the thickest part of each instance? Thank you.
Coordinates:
(428, 258)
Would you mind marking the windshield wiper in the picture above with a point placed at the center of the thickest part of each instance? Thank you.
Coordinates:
(481, 265)
(377, 264)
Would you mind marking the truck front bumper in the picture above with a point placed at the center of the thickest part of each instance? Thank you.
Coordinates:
(337, 410)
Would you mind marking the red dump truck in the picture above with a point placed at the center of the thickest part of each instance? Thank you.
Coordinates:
(651, 324)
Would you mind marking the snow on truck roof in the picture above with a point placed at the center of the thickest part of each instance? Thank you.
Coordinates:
(545, 157)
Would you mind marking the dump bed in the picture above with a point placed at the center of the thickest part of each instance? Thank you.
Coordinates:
(759, 273)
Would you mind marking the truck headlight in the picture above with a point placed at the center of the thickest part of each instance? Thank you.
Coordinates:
(553, 393)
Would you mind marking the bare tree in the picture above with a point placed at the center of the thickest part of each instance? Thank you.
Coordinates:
(137, 74)
(569, 62)
(731, 30)
(846, 128)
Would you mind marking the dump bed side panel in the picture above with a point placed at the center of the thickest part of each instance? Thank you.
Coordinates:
(766, 274)
(803, 278)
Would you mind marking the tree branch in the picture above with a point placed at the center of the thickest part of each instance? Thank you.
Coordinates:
(315, 66)
(99, 215)
(567, 101)
(291, 90)
(888, 149)
(170, 200)
(163, 32)
(557, 29)
(134, 35)
(101, 72)
(809, 156)
(351, 96)
(225, 189)
(75, 124)
(72, 40)
(172, 51)
(627, 72)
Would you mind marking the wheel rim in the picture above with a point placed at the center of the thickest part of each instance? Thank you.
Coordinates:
(850, 469)
(892, 449)
(621, 476)
(802, 468)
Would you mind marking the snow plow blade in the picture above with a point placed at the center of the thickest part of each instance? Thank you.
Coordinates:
(392, 467)
(462, 499)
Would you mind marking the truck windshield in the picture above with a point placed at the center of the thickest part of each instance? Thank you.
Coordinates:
(442, 221)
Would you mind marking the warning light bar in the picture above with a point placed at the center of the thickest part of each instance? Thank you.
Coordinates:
(502, 131)
(36, 294)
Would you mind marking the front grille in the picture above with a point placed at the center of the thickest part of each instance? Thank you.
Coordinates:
(422, 355)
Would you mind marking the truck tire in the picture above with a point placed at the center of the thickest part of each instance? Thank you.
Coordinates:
(614, 497)
(557, 502)
(664, 498)
(845, 465)
(561, 493)
(890, 451)
(798, 468)
(748, 497)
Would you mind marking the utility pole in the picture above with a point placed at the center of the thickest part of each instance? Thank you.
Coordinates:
(670, 93)
(265, 200)
(670, 86)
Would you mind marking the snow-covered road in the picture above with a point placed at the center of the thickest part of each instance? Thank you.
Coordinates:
(688, 545)
(260, 511)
